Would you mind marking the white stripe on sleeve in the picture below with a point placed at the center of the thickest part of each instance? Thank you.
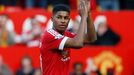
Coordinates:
(61, 46)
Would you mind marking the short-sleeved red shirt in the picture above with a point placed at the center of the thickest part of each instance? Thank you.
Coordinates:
(54, 57)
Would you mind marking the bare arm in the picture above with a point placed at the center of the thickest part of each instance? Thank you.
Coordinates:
(78, 40)
(91, 34)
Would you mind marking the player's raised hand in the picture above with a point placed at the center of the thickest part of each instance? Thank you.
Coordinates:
(83, 10)
(88, 6)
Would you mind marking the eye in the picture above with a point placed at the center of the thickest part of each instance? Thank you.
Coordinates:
(58, 17)
(66, 17)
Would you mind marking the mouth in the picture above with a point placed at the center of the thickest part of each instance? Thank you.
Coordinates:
(62, 26)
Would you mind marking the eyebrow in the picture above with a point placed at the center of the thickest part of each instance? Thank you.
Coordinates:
(62, 15)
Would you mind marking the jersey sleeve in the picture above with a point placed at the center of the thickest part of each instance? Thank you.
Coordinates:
(69, 34)
(54, 41)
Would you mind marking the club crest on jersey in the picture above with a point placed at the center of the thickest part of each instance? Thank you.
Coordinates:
(65, 59)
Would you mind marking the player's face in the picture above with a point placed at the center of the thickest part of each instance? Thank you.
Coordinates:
(61, 20)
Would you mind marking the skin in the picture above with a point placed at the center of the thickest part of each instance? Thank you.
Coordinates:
(60, 21)
(91, 33)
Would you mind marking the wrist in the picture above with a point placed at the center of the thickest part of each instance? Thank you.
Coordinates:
(84, 16)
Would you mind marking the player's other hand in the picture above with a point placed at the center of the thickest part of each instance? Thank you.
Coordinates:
(83, 10)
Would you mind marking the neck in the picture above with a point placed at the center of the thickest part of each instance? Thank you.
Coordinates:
(61, 32)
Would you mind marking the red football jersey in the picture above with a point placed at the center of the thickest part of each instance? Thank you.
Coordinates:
(54, 57)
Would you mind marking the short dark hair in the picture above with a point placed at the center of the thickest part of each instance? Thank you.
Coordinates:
(61, 7)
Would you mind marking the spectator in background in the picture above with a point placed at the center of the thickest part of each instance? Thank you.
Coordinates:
(78, 69)
(32, 35)
(26, 67)
(6, 31)
(4, 70)
(105, 36)
(108, 4)
(38, 72)
(91, 68)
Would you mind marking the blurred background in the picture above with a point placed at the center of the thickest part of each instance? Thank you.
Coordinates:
(22, 22)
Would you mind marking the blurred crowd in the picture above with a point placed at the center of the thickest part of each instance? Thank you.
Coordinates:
(30, 34)
(95, 4)
(32, 31)
(26, 68)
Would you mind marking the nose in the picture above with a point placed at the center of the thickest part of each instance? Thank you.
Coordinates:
(62, 20)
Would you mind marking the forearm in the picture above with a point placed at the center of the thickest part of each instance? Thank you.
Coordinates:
(78, 40)
(91, 33)
(81, 31)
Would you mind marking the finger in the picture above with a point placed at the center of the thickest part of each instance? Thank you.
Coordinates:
(80, 8)
(84, 5)
(80, 5)
(87, 2)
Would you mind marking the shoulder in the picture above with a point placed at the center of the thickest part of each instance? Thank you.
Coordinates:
(51, 34)
(70, 34)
